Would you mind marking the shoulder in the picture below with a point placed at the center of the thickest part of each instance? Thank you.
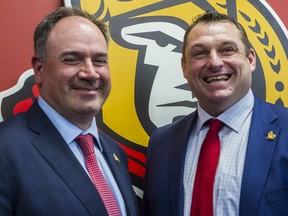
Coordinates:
(177, 126)
(262, 106)
(13, 125)
(112, 147)
(270, 113)
(105, 137)
(109, 142)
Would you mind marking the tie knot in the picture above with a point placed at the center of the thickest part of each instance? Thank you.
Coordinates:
(215, 125)
(86, 143)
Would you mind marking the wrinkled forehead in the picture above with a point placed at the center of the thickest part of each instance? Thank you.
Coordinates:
(214, 27)
(216, 31)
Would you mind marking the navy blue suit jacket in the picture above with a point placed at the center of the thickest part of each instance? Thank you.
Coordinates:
(264, 188)
(39, 174)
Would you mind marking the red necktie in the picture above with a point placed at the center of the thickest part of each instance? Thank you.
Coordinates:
(202, 199)
(86, 143)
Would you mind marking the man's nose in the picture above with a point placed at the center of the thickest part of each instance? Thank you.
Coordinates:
(215, 61)
(89, 69)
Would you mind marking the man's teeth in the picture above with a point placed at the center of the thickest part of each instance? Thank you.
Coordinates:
(217, 78)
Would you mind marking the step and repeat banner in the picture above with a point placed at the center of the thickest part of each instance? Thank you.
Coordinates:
(148, 88)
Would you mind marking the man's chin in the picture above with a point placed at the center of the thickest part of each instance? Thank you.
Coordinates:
(87, 112)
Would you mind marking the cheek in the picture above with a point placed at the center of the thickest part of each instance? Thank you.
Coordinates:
(192, 72)
(104, 75)
(57, 81)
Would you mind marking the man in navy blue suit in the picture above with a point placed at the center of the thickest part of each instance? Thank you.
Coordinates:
(42, 168)
(252, 172)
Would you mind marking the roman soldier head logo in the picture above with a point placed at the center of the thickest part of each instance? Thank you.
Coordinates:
(148, 88)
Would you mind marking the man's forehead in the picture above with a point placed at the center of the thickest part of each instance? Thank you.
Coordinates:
(214, 26)
(67, 23)
(80, 19)
(217, 31)
(74, 27)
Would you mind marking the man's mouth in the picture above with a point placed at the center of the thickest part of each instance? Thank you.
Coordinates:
(217, 78)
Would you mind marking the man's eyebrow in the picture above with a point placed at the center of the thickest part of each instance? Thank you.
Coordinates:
(70, 52)
(78, 53)
(101, 54)
(228, 43)
(222, 43)
(197, 45)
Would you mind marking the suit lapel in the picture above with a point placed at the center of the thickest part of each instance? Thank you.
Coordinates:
(119, 171)
(176, 163)
(258, 157)
(58, 155)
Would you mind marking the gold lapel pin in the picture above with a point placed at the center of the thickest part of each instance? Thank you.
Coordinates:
(270, 136)
(116, 158)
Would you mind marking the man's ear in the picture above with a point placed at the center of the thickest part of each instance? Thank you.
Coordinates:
(183, 64)
(252, 59)
(37, 65)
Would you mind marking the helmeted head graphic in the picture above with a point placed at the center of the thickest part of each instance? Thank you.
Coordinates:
(145, 50)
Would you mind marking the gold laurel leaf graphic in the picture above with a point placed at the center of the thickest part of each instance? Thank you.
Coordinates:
(219, 5)
(269, 49)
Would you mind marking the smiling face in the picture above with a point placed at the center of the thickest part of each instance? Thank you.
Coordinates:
(216, 66)
(74, 78)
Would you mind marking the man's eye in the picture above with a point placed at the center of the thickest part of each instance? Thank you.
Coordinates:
(70, 60)
(100, 61)
(199, 54)
(228, 51)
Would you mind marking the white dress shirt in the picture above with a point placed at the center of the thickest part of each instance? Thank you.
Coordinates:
(233, 138)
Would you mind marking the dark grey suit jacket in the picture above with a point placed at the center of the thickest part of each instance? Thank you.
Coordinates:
(39, 174)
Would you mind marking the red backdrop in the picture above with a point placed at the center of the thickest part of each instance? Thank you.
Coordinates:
(17, 26)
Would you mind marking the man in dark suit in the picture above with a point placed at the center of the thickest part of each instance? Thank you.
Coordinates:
(42, 168)
(251, 176)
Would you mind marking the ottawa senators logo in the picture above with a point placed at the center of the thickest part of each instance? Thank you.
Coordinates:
(148, 88)
(20, 97)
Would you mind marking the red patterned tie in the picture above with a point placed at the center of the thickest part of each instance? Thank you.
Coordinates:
(86, 143)
(202, 199)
